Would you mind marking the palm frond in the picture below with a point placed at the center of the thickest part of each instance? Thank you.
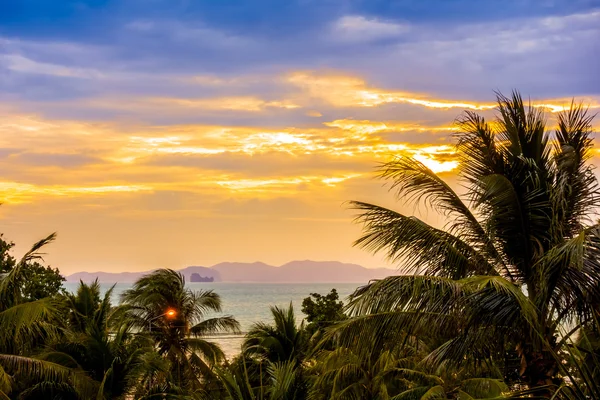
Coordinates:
(21, 323)
(210, 351)
(6, 381)
(570, 274)
(498, 302)
(216, 325)
(35, 370)
(420, 247)
(415, 182)
(281, 341)
(405, 293)
(576, 194)
(10, 293)
(417, 393)
(284, 380)
(484, 388)
(514, 219)
(237, 386)
(50, 390)
(34, 252)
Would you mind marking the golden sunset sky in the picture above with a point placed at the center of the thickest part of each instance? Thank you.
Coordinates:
(168, 136)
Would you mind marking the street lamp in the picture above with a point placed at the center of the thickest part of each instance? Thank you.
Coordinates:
(170, 313)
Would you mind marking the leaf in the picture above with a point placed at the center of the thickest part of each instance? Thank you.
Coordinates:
(216, 325)
(421, 248)
(44, 371)
(484, 387)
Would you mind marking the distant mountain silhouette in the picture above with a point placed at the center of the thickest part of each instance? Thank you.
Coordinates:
(299, 272)
(244, 272)
(293, 272)
(128, 277)
(196, 277)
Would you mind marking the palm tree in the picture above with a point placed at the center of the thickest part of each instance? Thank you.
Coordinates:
(391, 368)
(284, 381)
(160, 306)
(348, 375)
(23, 327)
(517, 261)
(273, 355)
(282, 341)
(579, 362)
(96, 340)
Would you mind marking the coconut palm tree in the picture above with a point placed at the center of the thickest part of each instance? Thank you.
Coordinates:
(283, 380)
(160, 306)
(391, 368)
(96, 340)
(518, 259)
(390, 375)
(282, 341)
(579, 362)
(24, 326)
(273, 355)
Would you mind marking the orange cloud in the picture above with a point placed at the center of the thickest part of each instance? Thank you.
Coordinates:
(246, 103)
(347, 91)
(15, 193)
(125, 152)
(369, 127)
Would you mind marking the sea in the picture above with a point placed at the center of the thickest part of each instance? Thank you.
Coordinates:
(249, 302)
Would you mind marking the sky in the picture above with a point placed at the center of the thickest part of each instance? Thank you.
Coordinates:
(168, 133)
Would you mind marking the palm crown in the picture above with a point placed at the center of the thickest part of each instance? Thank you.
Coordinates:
(518, 259)
(281, 341)
(180, 337)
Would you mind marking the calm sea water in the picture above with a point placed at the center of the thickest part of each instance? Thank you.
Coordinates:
(250, 302)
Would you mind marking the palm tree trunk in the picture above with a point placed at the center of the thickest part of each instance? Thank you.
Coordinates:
(538, 368)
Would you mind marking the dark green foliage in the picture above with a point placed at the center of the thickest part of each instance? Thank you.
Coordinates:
(519, 256)
(322, 311)
(95, 341)
(24, 326)
(37, 281)
(180, 338)
(278, 381)
(7, 261)
(78, 346)
(281, 341)
(272, 360)
(41, 281)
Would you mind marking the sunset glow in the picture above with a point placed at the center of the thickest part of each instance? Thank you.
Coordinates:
(213, 140)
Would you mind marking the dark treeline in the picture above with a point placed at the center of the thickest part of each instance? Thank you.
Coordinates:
(503, 302)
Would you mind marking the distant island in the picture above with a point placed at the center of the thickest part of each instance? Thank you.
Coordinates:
(306, 271)
(196, 277)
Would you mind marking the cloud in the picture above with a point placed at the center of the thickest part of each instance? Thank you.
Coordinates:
(446, 65)
(165, 158)
(357, 28)
(17, 193)
(18, 63)
(366, 127)
(477, 57)
(184, 32)
(347, 91)
(189, 124)
(230, 103)
(55, 159)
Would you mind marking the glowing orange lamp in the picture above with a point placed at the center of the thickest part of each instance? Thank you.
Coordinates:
(171, 312)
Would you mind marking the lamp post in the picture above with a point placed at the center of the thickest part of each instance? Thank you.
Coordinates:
(169, 313)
